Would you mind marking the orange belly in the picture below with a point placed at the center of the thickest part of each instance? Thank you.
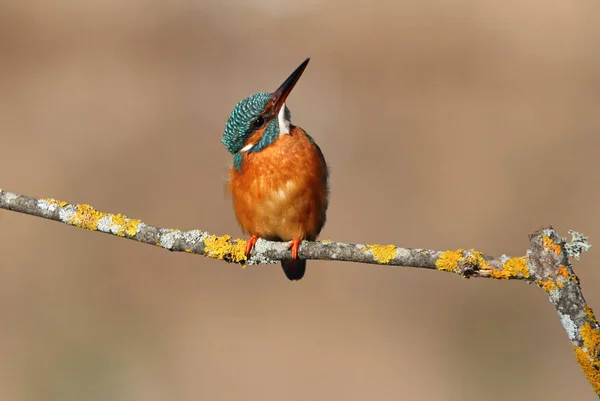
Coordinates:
(281, 191)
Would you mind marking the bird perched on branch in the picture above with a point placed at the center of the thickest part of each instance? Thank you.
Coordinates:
(278, 180)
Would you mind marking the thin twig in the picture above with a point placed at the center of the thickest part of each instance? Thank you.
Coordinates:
(546, 263)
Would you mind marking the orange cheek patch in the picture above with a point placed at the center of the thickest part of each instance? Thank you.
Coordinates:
(255, 137)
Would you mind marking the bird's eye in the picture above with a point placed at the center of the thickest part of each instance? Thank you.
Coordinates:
(258, 122)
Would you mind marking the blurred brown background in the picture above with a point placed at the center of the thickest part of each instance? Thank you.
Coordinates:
(446, 125)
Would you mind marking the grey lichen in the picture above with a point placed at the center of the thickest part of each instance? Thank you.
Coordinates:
(578, 245)
(569, 326)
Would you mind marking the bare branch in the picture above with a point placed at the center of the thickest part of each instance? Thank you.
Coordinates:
(546, 264)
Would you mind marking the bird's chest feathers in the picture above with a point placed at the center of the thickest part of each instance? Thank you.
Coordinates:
(280, 192)
(273, 196)
(267, 183)
(268, 200)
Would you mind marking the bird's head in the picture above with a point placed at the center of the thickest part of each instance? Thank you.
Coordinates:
(258, 120)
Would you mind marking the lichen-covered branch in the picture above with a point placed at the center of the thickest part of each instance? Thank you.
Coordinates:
(546, 263)
(468, 263)
(549, 264)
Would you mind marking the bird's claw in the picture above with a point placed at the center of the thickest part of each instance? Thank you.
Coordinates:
(295, 246)
(250, 245)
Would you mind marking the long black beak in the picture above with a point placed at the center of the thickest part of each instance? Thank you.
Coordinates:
(286, 87)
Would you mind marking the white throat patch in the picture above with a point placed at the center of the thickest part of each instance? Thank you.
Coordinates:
(247, 147)
(284, 120)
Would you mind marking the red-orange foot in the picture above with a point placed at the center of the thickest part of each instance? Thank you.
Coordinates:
(295, 245)
(250, 244)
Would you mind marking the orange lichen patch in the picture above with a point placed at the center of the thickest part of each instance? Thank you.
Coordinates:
(86, 217)
(587, 355)
(500, 274)
(53, 201)
(448, 260)
(562, 276)
(563, 272)
(382, 253)
(547, 285)
(513, 267)
(222, 247)
(590, 314)
(590, 368)
(125, 225)
(550, 245)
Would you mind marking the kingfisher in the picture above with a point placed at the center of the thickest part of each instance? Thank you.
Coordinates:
(279, 177)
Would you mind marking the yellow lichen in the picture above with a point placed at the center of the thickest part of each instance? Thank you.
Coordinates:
(452, 260)
(221, 247)
(125, 225)
(86, 217)
(590, 337)
(475, 258)
(448, 260)
(563, 272)
(560, 284)
(500, 274)
(513, 267)
(188, 250)
(461, 261)
(550, 245)
(548, 285)
(53, 201)
(382, 253)
(590, 314)
(326, 241)
(590, 368)
(587, 355)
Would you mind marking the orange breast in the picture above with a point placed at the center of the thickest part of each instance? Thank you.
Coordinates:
(281, 191)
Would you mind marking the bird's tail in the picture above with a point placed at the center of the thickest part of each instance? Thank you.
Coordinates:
(294, 268)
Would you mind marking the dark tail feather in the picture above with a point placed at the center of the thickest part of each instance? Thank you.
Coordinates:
(294, 268)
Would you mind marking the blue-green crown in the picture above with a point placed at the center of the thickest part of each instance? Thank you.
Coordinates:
(238, 126)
